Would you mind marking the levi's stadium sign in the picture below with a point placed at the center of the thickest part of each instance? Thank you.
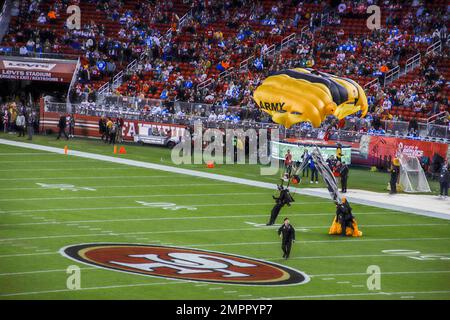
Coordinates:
(184, 264)
(32, 69)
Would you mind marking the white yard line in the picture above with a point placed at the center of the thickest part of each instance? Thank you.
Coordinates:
(43, 271)
(43, 161)
(26, 154)
(139, 196)
(382, 273)
(197, 231)
(194, 205)
(382, 200)
(183, 218)
(92, 288)
(92, 178)
(220, 217)
(124, 186)
(355, 294)
(68, 169)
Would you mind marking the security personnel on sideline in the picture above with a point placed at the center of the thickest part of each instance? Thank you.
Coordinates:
(339, 152)
(287, 234)
(343, 170)
(395, 172)
(62, 127)
(284, 198)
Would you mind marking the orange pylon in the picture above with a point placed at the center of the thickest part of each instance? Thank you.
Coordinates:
(66, 150)
(122, 150)
(115, 149)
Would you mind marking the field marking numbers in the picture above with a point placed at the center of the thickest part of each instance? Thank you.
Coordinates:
(416, 255)
(166, 205)
(64, 187)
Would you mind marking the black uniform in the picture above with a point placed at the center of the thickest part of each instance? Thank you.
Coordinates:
(284, 198)
(395, 171)
(344, 216)
(344, 176)
(444, 180)
(62, 127)
(102, 128)
(288, 235)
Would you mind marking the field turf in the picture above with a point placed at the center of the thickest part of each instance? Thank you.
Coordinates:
(37, 221)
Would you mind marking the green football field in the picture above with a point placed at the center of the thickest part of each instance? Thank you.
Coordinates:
(118, 203)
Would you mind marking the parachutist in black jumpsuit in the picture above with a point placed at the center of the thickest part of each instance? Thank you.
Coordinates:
(344, 216)
(284, 198)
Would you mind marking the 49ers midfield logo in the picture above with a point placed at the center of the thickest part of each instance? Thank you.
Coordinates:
(184, 264)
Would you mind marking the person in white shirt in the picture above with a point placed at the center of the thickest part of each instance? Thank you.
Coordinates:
(42, 19)
(20, 123)
(23, 50)
(221, 117)
(212, 117)
(387, 104)
(156, 110)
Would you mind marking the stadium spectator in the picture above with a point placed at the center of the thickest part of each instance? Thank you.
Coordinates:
(444, 181)
(62, 124)
(20, 124)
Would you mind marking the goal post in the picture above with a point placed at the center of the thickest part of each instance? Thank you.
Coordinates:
(412, 176)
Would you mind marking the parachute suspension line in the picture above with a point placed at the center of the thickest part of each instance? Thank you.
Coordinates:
(326, 174)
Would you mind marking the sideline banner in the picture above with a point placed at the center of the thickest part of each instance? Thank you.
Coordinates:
(87, 126)
(376, 147)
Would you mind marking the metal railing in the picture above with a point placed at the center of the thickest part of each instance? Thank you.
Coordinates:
(411, 64)
(133, 109)
(401, 128)
(72, 83)
(391, 75)
(370, 84)
(13, 51)
(438, 116)
(5, 17)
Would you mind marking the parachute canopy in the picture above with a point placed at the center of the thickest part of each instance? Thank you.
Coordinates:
(300, 95)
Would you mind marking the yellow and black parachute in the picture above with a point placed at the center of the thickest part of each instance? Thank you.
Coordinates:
(299, 95)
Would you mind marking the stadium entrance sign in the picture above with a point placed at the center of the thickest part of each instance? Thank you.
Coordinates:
(32, 69)
(184, 264)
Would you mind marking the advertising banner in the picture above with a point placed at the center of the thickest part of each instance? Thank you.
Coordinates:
(373, 148)
(87, 126)
(33, 69)
(279, 149)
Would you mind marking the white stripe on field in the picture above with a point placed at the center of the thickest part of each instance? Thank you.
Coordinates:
(44, 161)
(194, 205)
(169, 218)
(186, 231)
(27, 154)
(69, 169)
(123, 186)
(354, 295)
(223, 217)
(382, 273)
(93, 177)
(139, 196)
(92, 288)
